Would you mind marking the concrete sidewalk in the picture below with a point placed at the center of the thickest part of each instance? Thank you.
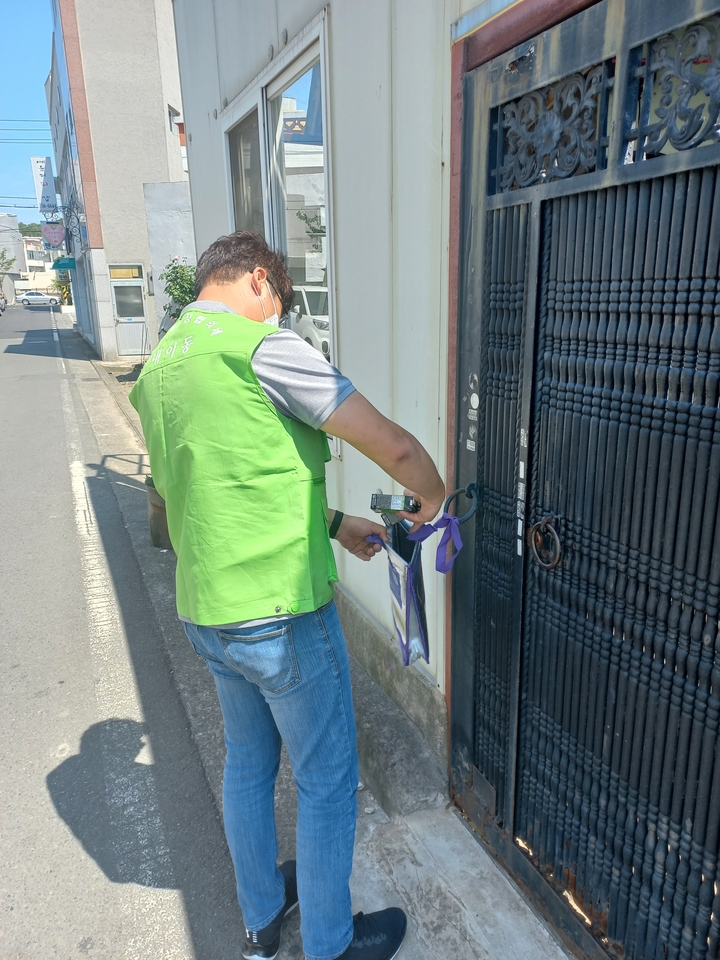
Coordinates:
(460, 904)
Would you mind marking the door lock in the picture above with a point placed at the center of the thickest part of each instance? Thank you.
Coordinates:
(545, 543)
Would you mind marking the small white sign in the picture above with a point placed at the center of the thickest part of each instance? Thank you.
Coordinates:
(44, 184)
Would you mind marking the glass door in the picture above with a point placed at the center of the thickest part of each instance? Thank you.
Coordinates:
(129, 309)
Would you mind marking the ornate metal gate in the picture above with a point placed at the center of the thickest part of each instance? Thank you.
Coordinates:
(586, 671)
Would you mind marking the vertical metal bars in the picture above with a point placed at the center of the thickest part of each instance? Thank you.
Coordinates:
(501, 337)
(618, 795)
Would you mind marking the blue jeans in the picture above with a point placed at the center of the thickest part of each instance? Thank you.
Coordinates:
(291, 680)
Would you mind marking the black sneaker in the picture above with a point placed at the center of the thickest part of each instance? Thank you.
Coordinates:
(378, 936)
(264, 944)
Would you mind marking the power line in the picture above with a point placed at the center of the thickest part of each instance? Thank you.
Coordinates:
(9, 196)
(21, 120)
(47, 140)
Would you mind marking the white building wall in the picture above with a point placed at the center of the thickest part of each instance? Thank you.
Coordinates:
(199, 80)
(170, 232)
(100, 302)
(389, 83)
(11, 241)
(169, 83)
(129, 84)
(127, 121)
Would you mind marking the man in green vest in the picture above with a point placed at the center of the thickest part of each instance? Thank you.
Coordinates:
(235, 412)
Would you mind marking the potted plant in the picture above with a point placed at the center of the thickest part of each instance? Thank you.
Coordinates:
(179, 289)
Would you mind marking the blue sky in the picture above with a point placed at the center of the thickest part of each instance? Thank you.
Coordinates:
(26, 39)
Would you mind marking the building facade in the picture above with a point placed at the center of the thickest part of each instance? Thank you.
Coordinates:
(11, 242)
(503, 224)
(116, 119)
(39, 274)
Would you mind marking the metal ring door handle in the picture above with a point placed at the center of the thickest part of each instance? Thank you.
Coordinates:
(538, 535)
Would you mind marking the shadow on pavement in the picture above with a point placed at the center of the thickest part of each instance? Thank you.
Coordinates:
(109, 801)
(38, 343)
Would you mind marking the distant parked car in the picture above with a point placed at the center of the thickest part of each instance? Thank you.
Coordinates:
(310, 317)
(32, 297)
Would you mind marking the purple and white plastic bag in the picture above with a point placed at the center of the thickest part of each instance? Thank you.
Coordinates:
(407, 589)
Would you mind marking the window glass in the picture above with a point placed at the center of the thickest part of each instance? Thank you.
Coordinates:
(298, 303)
(244, 142)
(298, 195)
(317, 301)
(129, 301)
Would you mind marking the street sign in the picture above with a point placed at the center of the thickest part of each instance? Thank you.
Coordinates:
(54, 233)
(44, 184)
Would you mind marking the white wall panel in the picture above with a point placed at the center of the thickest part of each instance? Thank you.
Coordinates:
(197, 56)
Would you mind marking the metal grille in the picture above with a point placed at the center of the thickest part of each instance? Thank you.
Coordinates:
(553, 133)
(497, 427)
(619, 759)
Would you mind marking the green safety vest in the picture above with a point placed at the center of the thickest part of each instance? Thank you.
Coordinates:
(244, 486)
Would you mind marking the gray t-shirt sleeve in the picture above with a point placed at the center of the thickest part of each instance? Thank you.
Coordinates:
(298, 379)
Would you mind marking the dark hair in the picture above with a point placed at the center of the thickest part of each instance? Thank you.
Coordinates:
(228, 258)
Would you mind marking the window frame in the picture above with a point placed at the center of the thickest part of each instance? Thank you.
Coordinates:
(288, 65)
(140, 278)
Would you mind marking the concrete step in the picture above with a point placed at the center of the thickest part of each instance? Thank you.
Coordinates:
(461, 904)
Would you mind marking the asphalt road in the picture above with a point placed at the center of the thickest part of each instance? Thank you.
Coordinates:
(110, 844)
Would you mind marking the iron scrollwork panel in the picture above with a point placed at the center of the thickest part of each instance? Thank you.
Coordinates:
(553, 133)
(73, 219)
(673, 100)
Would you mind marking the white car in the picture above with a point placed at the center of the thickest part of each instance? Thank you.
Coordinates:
(310, 317)
(32, 297)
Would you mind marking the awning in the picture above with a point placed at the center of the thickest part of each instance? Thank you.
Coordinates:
(64, 263)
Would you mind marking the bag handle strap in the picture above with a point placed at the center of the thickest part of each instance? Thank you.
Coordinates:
(450, 542)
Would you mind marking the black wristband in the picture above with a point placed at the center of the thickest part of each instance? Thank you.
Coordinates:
(335, 525)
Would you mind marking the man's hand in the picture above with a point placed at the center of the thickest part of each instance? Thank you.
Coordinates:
(429, 509)
(352, 534)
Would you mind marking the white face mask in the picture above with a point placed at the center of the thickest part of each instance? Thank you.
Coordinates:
(274, 319)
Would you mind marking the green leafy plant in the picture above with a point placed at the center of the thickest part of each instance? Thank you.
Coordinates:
(30, 229)
(6, 263)
(179, 277)
(313, 227)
